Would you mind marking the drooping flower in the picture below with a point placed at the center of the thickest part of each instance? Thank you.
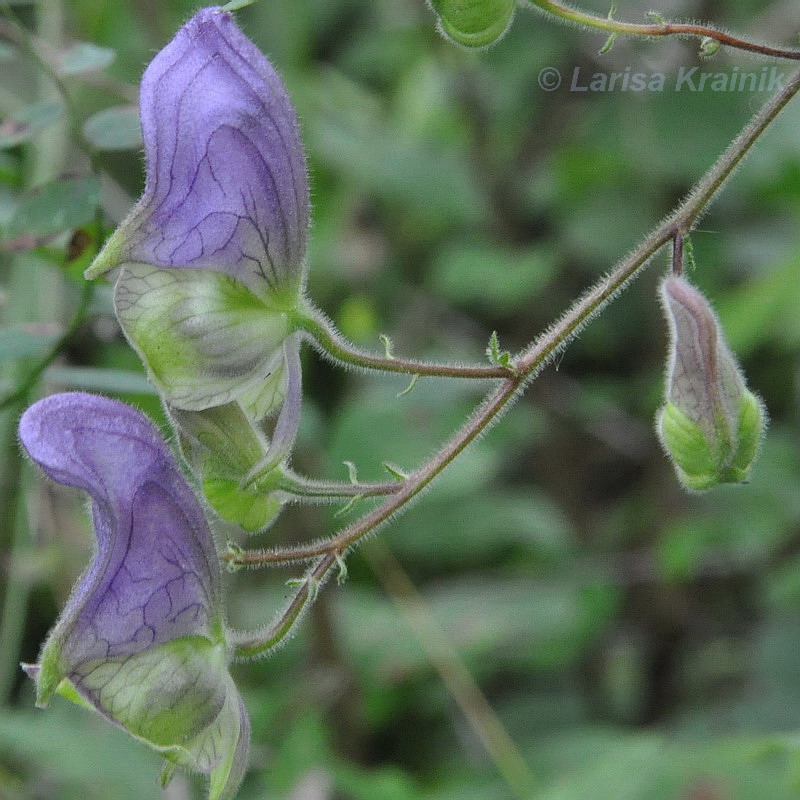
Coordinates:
(142, 637)
(711, 424)
(212, 258)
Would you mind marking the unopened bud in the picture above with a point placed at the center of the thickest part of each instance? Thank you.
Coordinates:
(474, 23)
(711, 425)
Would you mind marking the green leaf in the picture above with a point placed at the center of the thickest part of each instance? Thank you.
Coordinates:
(84, 57)
(68, 749)
(116, 128)
(57, 206)
(26, 123)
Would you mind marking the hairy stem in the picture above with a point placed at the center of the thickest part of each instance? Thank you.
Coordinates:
(332, 344)
(331, 491)
(661, 28)
(532, 359)
(253, 645)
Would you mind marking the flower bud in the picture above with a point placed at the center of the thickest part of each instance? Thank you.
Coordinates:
(474, 23)
(142, 638)
(711, 425)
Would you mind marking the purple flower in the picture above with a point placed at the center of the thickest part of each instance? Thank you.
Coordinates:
(212, 258)
(142, 637)
(226, 186)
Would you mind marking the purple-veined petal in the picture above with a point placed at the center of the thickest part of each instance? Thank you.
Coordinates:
(226, 185)
(141, 639)
(155, 575)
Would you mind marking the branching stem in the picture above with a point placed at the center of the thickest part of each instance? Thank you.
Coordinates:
(526, 366)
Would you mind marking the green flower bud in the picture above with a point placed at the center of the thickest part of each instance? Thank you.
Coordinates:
(474, 23)
(711, 425)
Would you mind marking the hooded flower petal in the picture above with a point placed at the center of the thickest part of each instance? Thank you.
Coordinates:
(141, 639)
(211, 260)
(226, 187)
(711, 425)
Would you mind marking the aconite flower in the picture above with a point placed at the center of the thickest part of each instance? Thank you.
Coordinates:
(142, 637)
(212, 258)
(711, 424)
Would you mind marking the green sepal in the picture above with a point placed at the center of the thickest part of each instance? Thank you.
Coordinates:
(49, 672)
(222, 446)
(204, 337)
(697, 466)
(164, 695)
(66, 690)
(109, 257)
(752, 424)
(261, 400)
(250, 509)
(177, 698)
(687, 446)
(474, 23)
(224, 432)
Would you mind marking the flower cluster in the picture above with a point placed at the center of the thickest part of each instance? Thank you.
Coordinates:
(209, 272)
(209, 267)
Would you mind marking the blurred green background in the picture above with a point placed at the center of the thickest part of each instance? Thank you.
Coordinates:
(635, 642)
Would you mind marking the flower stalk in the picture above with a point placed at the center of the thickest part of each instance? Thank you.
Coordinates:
(661, 27)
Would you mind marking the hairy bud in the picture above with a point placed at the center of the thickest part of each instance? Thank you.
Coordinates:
(711, 424)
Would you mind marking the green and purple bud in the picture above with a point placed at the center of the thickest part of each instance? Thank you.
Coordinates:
(711, 424)
(142, 637)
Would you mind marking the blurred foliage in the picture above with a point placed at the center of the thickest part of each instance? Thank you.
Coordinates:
(636, 642)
